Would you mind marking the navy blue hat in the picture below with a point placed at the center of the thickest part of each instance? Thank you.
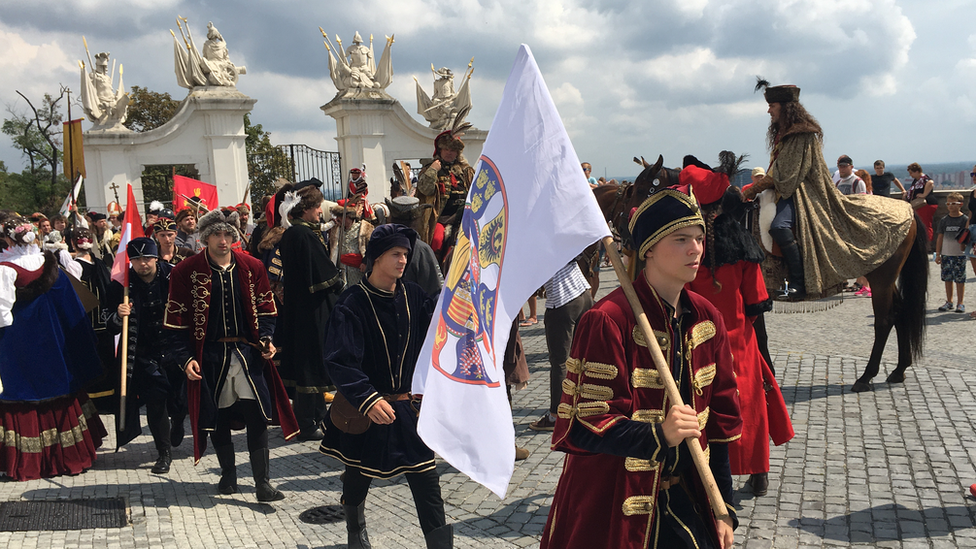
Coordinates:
(142, 247)
(97, 216)
(388, 236)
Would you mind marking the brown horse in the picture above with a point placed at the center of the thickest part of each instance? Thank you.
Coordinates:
(898, 286)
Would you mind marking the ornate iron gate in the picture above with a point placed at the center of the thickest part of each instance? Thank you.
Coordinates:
(307, 163)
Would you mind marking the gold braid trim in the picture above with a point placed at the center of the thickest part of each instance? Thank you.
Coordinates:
(663, 339)
(587, 390)
(583, 409)
(703, 418)
(648, 416)
(646, 378)
(702, 332)
(639, 505)
(703, 378)
(596, 370)
(637, 465)
(50, 437)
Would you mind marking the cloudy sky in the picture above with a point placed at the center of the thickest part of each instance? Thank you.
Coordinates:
(887, 79)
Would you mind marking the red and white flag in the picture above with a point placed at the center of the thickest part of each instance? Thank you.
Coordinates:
(131, 228)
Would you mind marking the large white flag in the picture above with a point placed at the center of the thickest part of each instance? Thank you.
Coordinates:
(529, 212)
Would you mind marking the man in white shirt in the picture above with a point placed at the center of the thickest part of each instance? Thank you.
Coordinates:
(848, 183)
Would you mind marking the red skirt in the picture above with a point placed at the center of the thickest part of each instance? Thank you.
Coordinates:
(50, 438)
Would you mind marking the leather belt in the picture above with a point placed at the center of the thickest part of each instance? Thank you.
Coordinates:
(240, 340)
(668, 482)
(397, 397)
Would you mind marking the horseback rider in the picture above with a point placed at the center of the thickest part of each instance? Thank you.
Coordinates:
(825, 237)
(444, 183)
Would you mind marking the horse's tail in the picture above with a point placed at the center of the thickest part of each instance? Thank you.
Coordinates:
(913, 284)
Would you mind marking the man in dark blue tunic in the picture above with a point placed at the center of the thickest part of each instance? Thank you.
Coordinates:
(375, 334)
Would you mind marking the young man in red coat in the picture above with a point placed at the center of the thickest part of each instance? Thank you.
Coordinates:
(628, 479)
(221, 301)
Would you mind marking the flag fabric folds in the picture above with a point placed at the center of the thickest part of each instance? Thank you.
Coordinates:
(185, 188)
(74, 150)
(529, 212)
(131, 228)
(69, 202)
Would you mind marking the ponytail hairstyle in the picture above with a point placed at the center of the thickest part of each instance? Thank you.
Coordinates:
(710, 212)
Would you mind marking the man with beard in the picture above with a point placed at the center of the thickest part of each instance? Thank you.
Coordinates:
(153, 378)
(311, 286)
(102, 243)
(444, 183)
(186, 231)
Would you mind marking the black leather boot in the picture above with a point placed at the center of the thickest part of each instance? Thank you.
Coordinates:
(758, 483)
(356, 526)
(163, 462)
(261, 466)
(440, 538)
(796, 289)
(228, 470)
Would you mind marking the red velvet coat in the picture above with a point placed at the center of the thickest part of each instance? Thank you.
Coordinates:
(188, 310)
(764, 413)
(606, 500)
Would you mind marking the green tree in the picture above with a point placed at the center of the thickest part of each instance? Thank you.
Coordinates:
(149, 110)
(265, 162)
(38, 136)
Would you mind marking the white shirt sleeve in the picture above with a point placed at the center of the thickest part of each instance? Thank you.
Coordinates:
(70, 265)
(8, 295)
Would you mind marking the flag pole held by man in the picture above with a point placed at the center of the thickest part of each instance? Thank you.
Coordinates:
(527, 181)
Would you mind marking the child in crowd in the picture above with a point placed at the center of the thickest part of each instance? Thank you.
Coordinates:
(950, 254)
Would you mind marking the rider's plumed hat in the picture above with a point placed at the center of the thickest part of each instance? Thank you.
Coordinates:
(663, 213)
(778, 94)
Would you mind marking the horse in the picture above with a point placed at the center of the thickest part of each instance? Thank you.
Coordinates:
(898, 286)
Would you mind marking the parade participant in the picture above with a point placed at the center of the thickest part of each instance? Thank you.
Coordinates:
(102, 244)
(628, 479)
(355, 232)
(731, 279)
(164, 232)
(825, 237)
(358, 191)
(423, 269)
(50, 426)
(187, 235)
(244, 211)
(97, 278)
(221, 305)
(373, 340)
(311, 287)
(444, 183)
(154, 379)
(152, 216)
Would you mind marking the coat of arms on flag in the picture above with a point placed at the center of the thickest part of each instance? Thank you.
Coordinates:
(465, 326)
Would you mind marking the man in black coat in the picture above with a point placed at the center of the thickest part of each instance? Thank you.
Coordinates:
(311, 287)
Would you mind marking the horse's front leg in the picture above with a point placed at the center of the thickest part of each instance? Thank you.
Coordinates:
(882, 300)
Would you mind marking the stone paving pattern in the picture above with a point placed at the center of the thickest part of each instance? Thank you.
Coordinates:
(889, 468)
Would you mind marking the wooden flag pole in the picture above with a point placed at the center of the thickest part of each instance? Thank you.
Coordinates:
(125, 360)
(715, 498)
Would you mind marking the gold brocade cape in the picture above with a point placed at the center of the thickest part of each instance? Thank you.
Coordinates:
(841, 237)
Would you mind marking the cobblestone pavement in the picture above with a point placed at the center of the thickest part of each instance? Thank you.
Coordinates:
(889, 468)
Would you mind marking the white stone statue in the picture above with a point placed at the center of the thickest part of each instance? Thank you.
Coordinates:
(212, 68)
(355, 73)
(105, 105)
(442, 109)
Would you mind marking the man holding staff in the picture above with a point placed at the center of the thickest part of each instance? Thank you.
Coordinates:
(628, 481)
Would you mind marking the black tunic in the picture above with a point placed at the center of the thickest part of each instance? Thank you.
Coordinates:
(311, 287)
(373, 340)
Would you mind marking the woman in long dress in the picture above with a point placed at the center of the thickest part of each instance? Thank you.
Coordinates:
(47, 357)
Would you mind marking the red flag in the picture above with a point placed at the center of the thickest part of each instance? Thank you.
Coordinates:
(131, 228)
(185, 188)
